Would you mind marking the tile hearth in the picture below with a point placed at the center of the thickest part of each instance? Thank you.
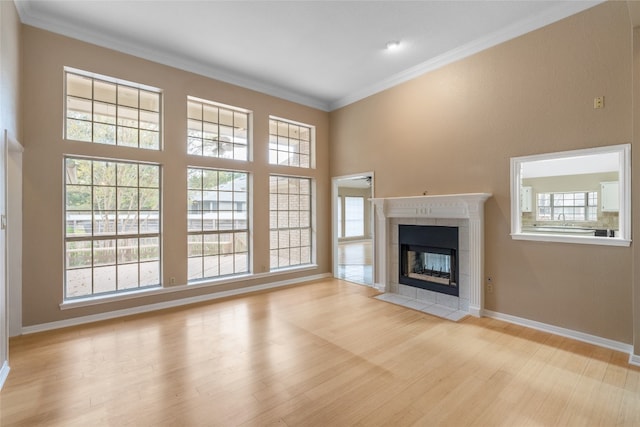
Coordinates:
(424, 306)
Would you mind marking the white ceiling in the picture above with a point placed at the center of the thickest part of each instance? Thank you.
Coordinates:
(577, 165)
(324, 54)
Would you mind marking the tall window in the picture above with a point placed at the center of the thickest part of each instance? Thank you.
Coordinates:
(575, 206)
(217, 223)
(112, 234)
(290, 221)
(290, 144)
(354, 216)
(216, 130)
(106, 111)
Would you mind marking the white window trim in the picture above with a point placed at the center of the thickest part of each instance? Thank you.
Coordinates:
(109, 79)
(624, 237)
(248, 230)
(313, 259)
(312, 136)
(249, 114)
(117, 294)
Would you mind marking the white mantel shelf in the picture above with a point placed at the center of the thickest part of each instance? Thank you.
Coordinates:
(468, 207)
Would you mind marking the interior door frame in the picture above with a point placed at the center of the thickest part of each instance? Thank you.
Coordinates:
(335, 181)
(11, 224)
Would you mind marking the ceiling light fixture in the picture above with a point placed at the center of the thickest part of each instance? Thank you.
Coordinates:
(392, 45)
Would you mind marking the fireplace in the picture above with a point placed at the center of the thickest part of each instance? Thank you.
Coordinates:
(428, 258)
(462, 211)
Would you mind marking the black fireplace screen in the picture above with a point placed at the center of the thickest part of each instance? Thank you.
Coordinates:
(428, 258)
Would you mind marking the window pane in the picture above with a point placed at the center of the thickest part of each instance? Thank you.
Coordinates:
(79, 85)
(79, 283)
(78, 130)
(150, 101)
(128, 96)
(128, 251)
(104, 91)
(104, 113)
(79, 254)
(149, 273)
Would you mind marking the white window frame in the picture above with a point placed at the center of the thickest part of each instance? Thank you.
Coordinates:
(216, 141)
(312, 143)
(216, 231)
(117, 235)
(277, 228)
(116, 106)
(623, 151)
(555, 207)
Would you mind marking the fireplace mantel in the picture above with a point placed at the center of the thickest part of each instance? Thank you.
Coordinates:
(468, 207)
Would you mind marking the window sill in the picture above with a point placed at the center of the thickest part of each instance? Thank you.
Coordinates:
(105, 299)
(559, 238)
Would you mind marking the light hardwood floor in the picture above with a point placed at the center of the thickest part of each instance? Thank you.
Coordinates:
(321, 354)
(355, 261)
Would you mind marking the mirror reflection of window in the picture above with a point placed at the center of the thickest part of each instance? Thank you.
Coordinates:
(580, 196)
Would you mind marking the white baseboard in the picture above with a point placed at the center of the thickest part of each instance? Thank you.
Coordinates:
(569, 333)
(167, 304)
(634, 359)
(4, 373)
(379, 286)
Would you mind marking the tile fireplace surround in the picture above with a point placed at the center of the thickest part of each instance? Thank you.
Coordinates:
(465, 211)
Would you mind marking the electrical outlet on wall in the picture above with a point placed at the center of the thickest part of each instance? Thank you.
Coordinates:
(598, 102)
(489, 284)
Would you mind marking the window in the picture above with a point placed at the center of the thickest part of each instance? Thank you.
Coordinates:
(354, 216)
(290, 221)
(218, 231)
(580, 206)
(579, 196)
(112, 234)
(290, 143)
(216, 130)
(107, 111)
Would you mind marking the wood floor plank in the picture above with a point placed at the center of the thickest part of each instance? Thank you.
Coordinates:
(318, 354)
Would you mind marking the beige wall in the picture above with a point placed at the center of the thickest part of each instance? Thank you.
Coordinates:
(635, 184)
(454, 130)
(45, 55)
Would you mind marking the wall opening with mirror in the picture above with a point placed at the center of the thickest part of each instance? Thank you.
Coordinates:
(579, 196)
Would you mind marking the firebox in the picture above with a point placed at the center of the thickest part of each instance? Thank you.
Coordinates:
(428, 257)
